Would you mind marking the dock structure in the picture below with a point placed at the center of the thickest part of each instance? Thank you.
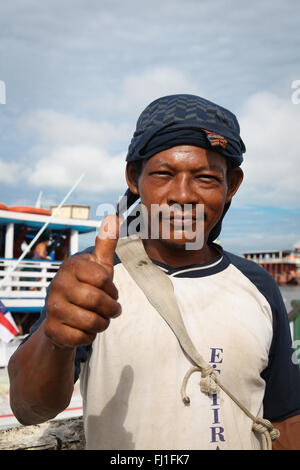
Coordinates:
(283, 265)
(23, 282)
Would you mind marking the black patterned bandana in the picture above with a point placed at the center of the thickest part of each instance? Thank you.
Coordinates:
(186, 120)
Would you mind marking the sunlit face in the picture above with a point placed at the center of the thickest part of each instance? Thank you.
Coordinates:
(181, 176)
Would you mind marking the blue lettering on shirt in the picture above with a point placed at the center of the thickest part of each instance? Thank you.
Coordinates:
(216, 431)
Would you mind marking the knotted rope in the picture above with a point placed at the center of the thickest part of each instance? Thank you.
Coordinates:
(211, 385)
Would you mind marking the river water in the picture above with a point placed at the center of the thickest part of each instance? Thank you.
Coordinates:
(290, 293)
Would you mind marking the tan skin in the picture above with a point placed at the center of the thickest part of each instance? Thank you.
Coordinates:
(184, 175)
(83, 298)
(41, 250)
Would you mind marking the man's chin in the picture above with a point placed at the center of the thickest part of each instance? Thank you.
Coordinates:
(179, 236)
(179, 243)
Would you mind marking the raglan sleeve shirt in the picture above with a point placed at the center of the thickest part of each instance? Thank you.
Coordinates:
(282, 376)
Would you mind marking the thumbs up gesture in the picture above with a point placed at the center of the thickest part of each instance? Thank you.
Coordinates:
(83, 298)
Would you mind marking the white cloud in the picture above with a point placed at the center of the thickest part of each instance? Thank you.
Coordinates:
(270, 128)
(65, 164)
(140, 90)
(9, 172)
(137, 90)
(55, 128)
(66, 146)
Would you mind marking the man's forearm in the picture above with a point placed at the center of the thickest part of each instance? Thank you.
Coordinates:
(41, 379)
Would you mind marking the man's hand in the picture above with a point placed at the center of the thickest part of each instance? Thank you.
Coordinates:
(83, 298)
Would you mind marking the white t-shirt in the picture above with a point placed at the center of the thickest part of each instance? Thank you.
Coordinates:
(132, 378)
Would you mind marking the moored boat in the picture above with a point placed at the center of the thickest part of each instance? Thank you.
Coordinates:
(23, 283)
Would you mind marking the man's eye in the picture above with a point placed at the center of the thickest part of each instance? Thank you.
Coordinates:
(207, 177)
(163, 173)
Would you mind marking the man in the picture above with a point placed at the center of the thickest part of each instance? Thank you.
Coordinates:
(186, 152)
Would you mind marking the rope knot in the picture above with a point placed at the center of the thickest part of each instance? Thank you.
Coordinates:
(208, 382)
(264, 426)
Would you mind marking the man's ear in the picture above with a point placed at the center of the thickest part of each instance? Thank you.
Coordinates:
(236, 178)
(132, 178)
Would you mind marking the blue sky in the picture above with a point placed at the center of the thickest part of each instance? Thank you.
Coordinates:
(79, 72)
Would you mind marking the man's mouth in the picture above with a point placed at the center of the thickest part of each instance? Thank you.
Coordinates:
(180, 221)
(180, 217)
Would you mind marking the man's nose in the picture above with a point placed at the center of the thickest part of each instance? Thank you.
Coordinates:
(181, 191)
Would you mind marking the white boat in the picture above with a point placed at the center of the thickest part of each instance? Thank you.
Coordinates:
(23, 291)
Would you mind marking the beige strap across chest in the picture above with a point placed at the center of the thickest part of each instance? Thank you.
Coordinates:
(159, 291)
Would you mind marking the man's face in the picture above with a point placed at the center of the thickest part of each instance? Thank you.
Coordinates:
(183, 177)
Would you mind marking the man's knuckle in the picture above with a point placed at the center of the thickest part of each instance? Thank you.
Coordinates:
(54, 306)
(95, 324)
(104, 324)
(100, 274)
(81, 338)
(73, 263)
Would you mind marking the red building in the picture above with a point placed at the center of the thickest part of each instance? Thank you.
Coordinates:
(283, 265)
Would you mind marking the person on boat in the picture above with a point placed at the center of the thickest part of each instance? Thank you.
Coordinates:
(40, 249)
(40, 252)
(186, 152)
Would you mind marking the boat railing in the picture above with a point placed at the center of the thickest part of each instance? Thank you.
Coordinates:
(30, 278)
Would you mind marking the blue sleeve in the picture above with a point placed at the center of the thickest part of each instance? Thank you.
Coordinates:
(282, 376)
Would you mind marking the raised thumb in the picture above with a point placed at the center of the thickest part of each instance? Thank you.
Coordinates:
(106, 242)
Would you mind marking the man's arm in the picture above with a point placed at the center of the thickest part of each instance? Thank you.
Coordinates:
(82, 300)
(41, 379)
(289, 434)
